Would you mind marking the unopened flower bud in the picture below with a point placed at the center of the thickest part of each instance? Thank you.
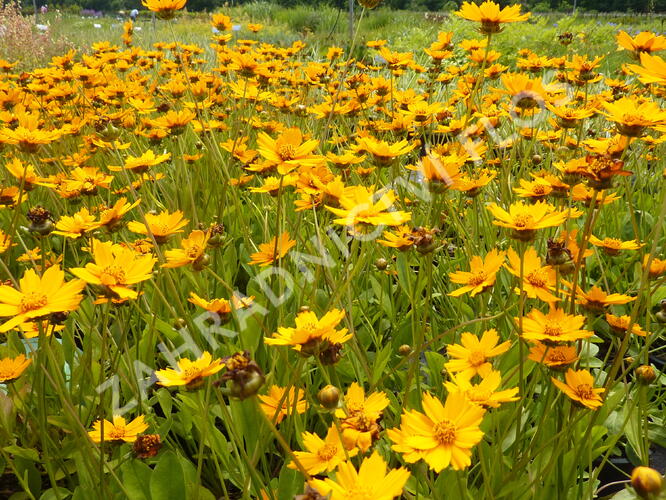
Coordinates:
(179, 324)
(329, 397)
(646, 481)
(405, 350)
(381, 264)
(645, 374)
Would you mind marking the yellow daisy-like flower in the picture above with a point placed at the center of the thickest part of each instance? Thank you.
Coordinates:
(554, 327)
(116, 269)
(597, 300)
(554, 357)
(613, 246)
(273, 250)
(620, 325)
(193, 251)
(632, 116)
(310, 331)
(370, 481)
(580, 388)
(651, 70)
(13, 368)
(358, 209)
(443, 435)
(538, 280)
(359, 417)
(141, 164)
(289, 151)
(644, 42)
(164, 9)
(38, 296)
(118, 430)
(471, 356)
(383, 152)
(190, 373)
(323, 454)
(491, 16)
(525, 219)
(481, 275)
(484, 393)
(161, 226)
(276, 405)
(76, 225)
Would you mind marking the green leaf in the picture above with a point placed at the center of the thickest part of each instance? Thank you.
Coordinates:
(136, 479)
(27, 453)
(381, 360)
(50, 494)
(168, 480)
(290, 483)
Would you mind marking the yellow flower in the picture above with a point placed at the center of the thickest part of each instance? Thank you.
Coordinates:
(370, 481)
(110, 217)
(484, 393)
(471, 356)
(76, 225)
(119, 430)
(359, 210)
(525, 219)
(597, 300)
(5, 242)
(554, 357)
(644, 42)
(490, 16)
(288, 151)
(359, 417)
(538, 280)
(277, 405)
(310, 332)
(443, 435)
(116, 268)
(652, 69)
(190, 373)
(554, 327)
(632, 116)
(13, 368)
(525, 92)
(193, 251)
(165, 9)
(273, 250)
(323, 454)
(161, 226)
(221, 307)
(657, 266)
(38, 297)
(141, 164)
(620, 325)
(613, 246)
(383, 152)
(481, 275)
(580, 388)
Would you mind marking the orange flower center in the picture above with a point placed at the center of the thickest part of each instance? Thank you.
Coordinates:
(286, 152)
(556, 357)
(193, 252)
(612, 243)
(537, 279)
(523, 221)
(539, 190)
(477, 358)
(112, 275)
(32, 301)
(445, 432)
(191, 373)
(552, 330)
(327, 452)
(585, 391)
(478, 278)
(116, 432)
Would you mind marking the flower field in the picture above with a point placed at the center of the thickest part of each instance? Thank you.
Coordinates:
(235, 268)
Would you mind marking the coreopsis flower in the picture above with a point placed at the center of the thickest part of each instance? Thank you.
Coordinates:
(272, 251)
(538, 280)
(554, 357)
(620, 325)
(441, 172)
(190, 373)
(481, 275)
(598, 300)
(164, 9)
(359, 210)
(383, 152)
(359, 416)
(555, 327)
(76, 225)
(370, 481)
(443, 435)
(5, 242)
(323, 454)
(632, 116)
(657, 266)
(147, 445)
(27, 136)
(13, 368)
(24, 173)
(490, 15)
(221, 307)
(280, 403)
(652, 69)
(643, 42)
(647, 482)
(192, 251)
(613, 246)
(525, 219)
(400, 238)
(570, 117)
(161, 226)
(312, 335)
(536, 189)
(485, 393)
(471, 356)
(525, 92)
(116, 269)
(289, 151)
(140, 164)
(118, 430)
(38, 297)
(221, 22)
(580, 388)
(110, 217)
